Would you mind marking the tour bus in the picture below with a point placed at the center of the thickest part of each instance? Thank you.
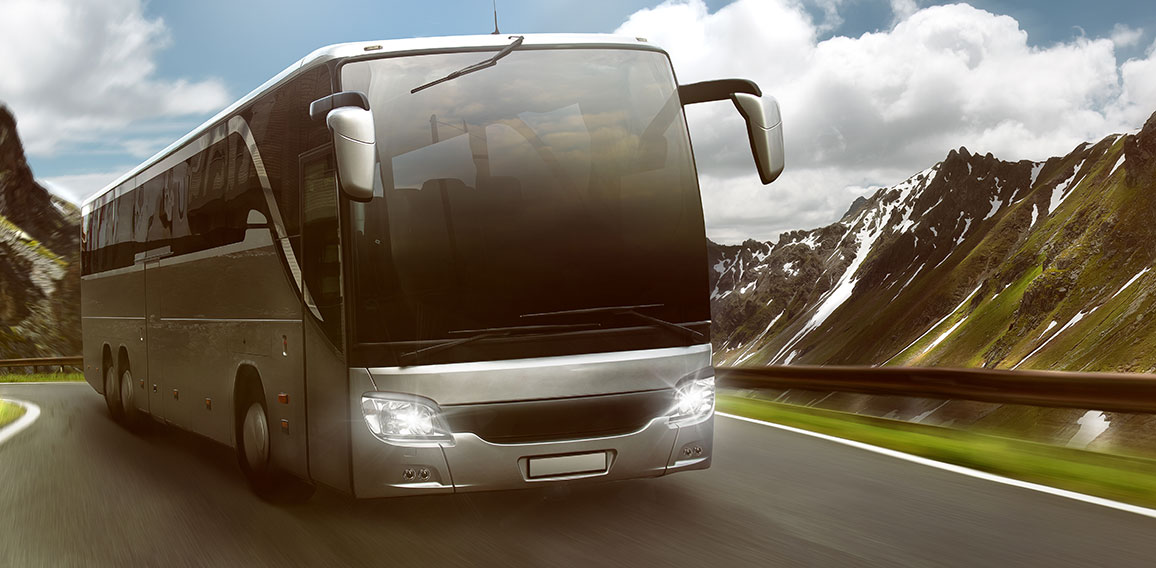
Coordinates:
(424, 266)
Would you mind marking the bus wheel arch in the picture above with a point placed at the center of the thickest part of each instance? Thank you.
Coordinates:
(253, 441)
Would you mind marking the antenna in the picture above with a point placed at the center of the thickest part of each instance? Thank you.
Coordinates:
(496, 32)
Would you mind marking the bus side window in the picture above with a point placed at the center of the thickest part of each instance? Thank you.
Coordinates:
(322, 241)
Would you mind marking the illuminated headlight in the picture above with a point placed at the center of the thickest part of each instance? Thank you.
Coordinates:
(693, 401)
(402, 419)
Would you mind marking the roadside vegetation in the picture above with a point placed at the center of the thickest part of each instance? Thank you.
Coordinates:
(1122, 478)
(41, 377)
(9, 412)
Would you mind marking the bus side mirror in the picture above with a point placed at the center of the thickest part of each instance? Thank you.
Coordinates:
(764, 122)
(765, 130)
(349, 119)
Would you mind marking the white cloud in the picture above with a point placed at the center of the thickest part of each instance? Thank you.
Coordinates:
(76, 73)
(75, 188)
(903, 9)
(1124, 36)
(873, 109)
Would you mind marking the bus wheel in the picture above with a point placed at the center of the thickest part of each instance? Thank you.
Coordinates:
(129, 412)
(112, 394)
(253, 454)
(253, 444)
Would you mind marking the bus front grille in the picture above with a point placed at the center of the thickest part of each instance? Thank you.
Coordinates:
(560, 418)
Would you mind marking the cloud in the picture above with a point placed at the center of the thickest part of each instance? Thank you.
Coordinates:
(76, 187)
(874, 109)
(1124, 36)
(77, 73)
(903, 9)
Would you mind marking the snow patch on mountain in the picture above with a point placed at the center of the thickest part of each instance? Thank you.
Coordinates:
(1129, 282)
(1119, 162)
(1061, 191)
(996, 203)
(1037, 167)
(1075, 319)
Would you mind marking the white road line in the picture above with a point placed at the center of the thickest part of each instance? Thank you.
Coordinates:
(31, 413)
(960, 469)
(45, 383)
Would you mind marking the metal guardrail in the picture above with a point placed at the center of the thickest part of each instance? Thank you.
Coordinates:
(77, 362)
(1116, 392)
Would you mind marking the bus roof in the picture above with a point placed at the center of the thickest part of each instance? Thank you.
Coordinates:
(375, 49)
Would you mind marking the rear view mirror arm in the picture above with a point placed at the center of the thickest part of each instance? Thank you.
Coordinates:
(764, 122)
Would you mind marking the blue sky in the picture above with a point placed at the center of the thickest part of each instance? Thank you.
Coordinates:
(123, 78)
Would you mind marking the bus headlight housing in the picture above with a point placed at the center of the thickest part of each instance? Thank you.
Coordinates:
(693, 401)
(404, 419)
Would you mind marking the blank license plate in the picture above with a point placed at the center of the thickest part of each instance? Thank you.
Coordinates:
(568, 465)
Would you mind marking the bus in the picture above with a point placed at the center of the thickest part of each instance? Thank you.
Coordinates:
(424, 266)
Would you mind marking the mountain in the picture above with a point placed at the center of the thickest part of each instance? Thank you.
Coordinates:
(39, 259)
(974, 262)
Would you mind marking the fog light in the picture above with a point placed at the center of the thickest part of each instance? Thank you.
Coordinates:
(404, 419)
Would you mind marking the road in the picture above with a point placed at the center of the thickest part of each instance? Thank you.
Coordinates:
(78, 490)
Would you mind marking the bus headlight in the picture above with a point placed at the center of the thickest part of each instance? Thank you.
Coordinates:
(693, 401)
(402, 419)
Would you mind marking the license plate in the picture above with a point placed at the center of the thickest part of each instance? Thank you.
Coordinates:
(557, 466)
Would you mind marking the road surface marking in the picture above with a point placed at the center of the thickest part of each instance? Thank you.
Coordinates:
(959, 469)
(31, 413)
(45, 383)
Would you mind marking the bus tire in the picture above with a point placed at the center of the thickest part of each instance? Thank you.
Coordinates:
(112, 393)
(132, 417)
(254, 453)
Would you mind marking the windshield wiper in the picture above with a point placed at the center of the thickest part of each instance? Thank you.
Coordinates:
(412, 356)
(475, 67)
(630, 311)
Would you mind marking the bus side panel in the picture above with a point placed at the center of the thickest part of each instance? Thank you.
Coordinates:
(224, 309)
(112, 308)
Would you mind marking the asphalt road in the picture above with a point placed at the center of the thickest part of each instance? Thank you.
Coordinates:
(78, 490)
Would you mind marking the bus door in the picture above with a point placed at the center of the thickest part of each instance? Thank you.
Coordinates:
(326, 369)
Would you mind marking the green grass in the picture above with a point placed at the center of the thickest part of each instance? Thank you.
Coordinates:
(41, 378)
(9, 412)
(1122, 478)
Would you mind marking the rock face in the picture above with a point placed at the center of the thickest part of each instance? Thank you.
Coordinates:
(972, 262)
(39, 260)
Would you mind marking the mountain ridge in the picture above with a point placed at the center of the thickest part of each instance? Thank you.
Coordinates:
(39, 259)
(975, 261)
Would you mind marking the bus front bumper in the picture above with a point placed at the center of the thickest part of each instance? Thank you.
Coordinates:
(470, 463)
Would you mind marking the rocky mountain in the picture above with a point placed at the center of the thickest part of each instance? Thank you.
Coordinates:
(39, 259)
(973, 262)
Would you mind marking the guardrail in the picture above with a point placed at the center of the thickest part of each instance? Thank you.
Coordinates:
(1116, 392)
(76, 362)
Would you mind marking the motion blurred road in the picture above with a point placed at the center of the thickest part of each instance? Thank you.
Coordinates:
(78, 490)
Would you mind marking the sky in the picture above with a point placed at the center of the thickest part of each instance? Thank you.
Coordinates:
(871, 91)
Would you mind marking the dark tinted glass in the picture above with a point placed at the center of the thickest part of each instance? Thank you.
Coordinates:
(556, 180)
(204, 202)
(322, 249)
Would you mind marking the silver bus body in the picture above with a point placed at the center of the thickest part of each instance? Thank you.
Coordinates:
(225, 272)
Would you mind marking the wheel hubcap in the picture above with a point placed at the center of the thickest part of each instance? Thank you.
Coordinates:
(255, 437)
(126, 392)
(111, 392)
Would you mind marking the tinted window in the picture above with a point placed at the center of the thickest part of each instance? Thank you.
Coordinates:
(555, 180)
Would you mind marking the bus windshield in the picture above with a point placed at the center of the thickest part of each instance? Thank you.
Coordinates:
(556, 180)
